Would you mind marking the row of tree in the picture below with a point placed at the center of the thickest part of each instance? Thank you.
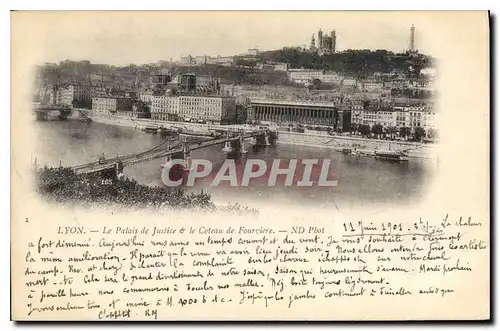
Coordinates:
(392, 132)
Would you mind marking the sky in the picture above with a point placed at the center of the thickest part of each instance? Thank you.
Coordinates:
(121, 38)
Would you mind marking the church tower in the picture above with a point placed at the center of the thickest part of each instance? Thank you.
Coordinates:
(313, 44)
(320, 39)
(333, 36)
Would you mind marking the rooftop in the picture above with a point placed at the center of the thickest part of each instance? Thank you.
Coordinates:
(111, 97)
(196, 96)
(294, 103)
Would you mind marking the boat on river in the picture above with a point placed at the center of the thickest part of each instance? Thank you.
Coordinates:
(396, 155)
(391, 155)
(151, 129)
(168, 131)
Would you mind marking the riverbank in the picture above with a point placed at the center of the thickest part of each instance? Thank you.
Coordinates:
(366, 146)
(309, 139)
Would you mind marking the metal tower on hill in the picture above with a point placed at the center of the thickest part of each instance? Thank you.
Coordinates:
(412, 39)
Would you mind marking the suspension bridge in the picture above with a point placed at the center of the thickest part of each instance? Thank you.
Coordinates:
(165, 149)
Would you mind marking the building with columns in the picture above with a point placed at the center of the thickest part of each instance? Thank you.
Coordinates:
(296, 112)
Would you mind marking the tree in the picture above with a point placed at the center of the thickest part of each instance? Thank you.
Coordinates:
(404, 131)
(354, 128)
(432, 133)
(419, 133)
(316, 84)
(377, 129)
(391, 130)
(364, 129)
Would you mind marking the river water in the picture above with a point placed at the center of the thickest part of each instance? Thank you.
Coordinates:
(363, 181)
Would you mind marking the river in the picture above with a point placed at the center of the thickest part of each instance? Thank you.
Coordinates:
(363, 181)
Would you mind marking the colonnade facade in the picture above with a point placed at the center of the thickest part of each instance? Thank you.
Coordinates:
(300, 114)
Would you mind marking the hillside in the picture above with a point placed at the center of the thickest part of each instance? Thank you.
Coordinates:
(359, 63)
(238, 75)
(83, 71)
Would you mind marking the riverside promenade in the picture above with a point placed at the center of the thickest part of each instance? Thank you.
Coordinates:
(364, 145)
(309, 138)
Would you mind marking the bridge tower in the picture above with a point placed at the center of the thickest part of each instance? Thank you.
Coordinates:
(119, 169)
(227, 145)
(262, 139)
(273, 136)
(186, 154)
(178, 171)
(63, 114)
(266, 139)
(243, 149)
(42, 116)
